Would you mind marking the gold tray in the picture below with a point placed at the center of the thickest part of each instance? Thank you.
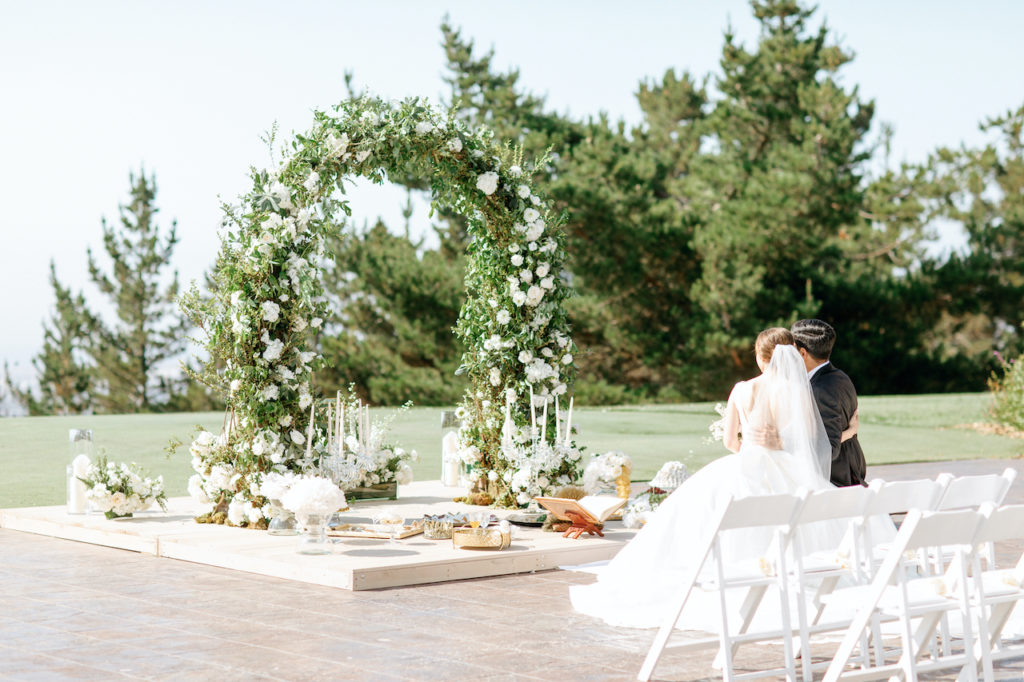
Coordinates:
(475, 538)
(370, 530)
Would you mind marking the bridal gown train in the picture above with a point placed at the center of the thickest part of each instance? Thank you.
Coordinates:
(637, 587)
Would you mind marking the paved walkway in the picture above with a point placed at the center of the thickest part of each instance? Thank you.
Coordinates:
(77, 611)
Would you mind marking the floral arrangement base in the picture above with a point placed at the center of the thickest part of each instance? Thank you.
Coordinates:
(380, 491)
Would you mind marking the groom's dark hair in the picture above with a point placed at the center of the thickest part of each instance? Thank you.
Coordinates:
(815, 336)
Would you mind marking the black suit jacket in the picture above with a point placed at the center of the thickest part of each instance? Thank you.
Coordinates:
(837, 401)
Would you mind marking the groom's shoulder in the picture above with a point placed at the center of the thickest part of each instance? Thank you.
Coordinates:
(833, 376)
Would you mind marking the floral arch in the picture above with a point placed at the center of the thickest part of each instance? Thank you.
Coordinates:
(268, 301)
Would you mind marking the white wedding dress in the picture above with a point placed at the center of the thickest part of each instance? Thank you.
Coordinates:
(636, 588)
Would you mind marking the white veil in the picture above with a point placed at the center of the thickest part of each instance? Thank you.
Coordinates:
(788, 403)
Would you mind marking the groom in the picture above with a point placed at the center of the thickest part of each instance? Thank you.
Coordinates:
(836, 398)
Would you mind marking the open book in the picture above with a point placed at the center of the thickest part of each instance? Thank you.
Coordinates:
(593, 508)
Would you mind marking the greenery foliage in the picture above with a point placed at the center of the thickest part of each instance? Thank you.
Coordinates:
(1007, 385)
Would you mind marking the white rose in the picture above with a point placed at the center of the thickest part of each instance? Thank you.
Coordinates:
(361, 156)
(285, 420)
(195, 489)
(487, 182)
(271, 311)
(404, 475)
(236, 511)
(518, 297)
(517, 260)
(531, 214)
(535, 200)
(515, 171)
(534, 295)
(534, 232)
(298, 324)
(546, 352)
(336, 146)
(274, 350)
(235, 385)
(567, 359)
(523, 191)
(543, 269)
(504, 317)
(297, 437)
(455, 145)
(548, 283)
(495, 376)
(513, 248)
(525, 357)
(305, 400)
(316, 322)
(312, 181)
(526, 276)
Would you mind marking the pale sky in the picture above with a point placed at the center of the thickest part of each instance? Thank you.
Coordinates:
(92, 90)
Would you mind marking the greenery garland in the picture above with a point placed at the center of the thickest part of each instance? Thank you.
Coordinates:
(268, 300)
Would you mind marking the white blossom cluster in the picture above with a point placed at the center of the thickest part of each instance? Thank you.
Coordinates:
(602, 470)
(313, 495)
(118, 489)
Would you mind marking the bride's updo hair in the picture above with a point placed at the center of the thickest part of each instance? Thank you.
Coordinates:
(769, 338)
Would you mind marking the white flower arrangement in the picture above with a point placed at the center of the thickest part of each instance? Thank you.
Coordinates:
(603, 470)
(364, 457)
(119, 489)
(313, 495)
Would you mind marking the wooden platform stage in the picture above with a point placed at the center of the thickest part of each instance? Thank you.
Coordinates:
(355, 564)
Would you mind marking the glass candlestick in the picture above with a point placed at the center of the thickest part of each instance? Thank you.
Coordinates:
(81, 453)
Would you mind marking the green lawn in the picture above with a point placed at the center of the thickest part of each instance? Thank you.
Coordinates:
(34, 450)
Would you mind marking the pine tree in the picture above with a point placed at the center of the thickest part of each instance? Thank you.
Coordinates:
(148, 330)
(64, 372)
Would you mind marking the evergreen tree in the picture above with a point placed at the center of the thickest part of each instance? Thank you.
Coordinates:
(397, 304)
(148, 330)
(64, 372)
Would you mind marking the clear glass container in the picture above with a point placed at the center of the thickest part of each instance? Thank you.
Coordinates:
(80, 449)
(314, 534)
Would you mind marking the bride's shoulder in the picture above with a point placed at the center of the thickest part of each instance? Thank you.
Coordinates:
(742, 388)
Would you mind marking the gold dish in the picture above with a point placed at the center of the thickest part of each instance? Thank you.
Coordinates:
(481, 538)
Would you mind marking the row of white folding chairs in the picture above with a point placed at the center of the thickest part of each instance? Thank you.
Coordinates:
(983, 599)
(857, 560)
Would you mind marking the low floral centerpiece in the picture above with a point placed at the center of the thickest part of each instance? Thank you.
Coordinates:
(119, 490)
(611, 469)
(313, 499)
(639, 509)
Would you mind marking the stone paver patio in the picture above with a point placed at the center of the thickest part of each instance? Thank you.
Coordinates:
(76, 611)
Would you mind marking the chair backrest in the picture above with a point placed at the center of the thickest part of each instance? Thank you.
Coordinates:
(762, 510)
(938, 528)
(973, 491)
(1004, 523)
(835, 503)
(895, 497)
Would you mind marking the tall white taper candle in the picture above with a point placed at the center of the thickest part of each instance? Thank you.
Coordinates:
(568, 424)
(309, 435)
(544, 422)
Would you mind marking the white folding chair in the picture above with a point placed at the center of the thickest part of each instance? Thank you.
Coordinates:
(996, 591)
(774, 512)
(970, 492)
(817, 573)
(917, 603)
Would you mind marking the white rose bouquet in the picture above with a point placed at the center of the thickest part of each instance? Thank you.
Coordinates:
(313, 495)
(603, 470)
(119, 489)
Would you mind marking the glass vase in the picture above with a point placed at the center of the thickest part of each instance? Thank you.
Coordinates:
(80, 457)
(284, 522)
(314, 534)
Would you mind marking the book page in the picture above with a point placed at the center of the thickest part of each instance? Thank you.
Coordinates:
(602, 506)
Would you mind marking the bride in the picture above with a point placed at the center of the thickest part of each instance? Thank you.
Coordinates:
(772, 425)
